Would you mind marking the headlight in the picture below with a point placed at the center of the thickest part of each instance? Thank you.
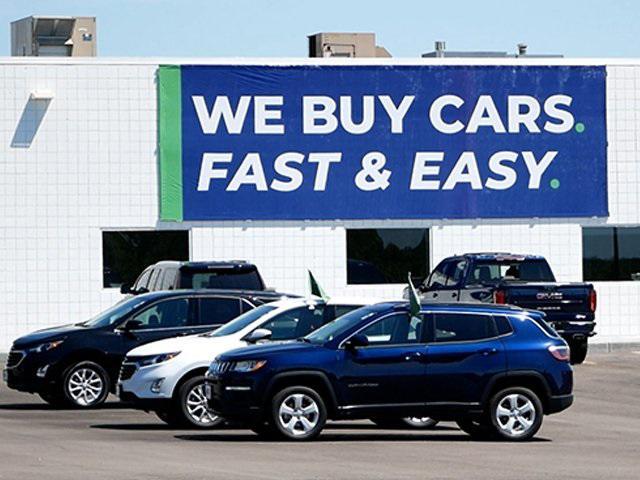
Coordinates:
(155, 359)
(45, 347)
(248, 365)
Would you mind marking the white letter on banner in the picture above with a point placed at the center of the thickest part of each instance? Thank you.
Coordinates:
(325, 115)
(552, 110)
(464, 171)
(396, 113)
(261, 114)
(508, 174)
(435, 114)
(485, 114)
(208, 173)
(324, 161)
(234, 121)
(527, 118)
(294, 175)
(537, 169)
(421, 170)
(250, 172)
(368, 116)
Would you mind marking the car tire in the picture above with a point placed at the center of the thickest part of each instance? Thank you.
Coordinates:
(515, 414)
(578, 351)
(190, 407)
(85, 385)
(478, 429)
(422, 423)
(298, 413)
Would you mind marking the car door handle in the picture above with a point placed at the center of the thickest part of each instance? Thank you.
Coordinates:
(416, 356)
(485, 352)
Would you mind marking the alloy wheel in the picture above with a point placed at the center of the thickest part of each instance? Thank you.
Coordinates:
(298, 414)
(515, 414)
(85, 387)
(197, 407)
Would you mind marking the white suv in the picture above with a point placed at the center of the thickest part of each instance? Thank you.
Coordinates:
(167, 377)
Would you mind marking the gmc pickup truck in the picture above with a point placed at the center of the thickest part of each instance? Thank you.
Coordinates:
(523, 280)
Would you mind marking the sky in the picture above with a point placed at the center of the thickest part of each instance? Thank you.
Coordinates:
(407, 28)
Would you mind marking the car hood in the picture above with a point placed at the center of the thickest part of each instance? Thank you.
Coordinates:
(192, 344)
(47, 334)
(256, 351)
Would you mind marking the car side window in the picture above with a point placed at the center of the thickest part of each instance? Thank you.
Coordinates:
(396, 329)
(165, 314)
(143, 280)
(503, 325)
(462, 327)
(458, 272)
(438, 278)
(168, 279)
(295, 323)
(218, 310)
(153, 279)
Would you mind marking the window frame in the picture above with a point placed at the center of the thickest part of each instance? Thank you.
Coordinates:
(190, 319)
(616, 260)
(422, 340)
(428, 259)
(215, 297)
(432, 341)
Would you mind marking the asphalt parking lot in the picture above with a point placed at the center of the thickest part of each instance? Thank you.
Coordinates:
(599, 437)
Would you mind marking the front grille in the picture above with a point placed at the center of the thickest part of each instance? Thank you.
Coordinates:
(220, 367)
(14, 358)
(127, 370)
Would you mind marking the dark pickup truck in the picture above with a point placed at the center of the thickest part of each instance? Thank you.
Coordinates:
(523, 280)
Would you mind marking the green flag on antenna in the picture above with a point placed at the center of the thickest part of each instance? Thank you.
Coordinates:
(414, 299)
(316, 289)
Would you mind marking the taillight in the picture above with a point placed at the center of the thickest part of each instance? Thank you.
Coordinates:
(593, 300)
(560, 352)
(500, 296)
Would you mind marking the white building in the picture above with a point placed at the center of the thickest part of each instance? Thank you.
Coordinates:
(79, 157)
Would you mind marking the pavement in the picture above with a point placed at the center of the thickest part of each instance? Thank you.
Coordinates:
(598, 437)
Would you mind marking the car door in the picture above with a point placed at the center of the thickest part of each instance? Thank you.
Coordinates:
(163, 319)
(390, 371)
(464, 352)
(213, 312)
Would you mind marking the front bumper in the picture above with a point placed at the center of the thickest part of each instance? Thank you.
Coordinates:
(34, 373)
(234, 400)
(147, 404)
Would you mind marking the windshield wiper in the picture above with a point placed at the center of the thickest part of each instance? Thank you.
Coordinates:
(303, 339)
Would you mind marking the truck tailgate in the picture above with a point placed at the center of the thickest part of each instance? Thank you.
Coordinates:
(558, 301)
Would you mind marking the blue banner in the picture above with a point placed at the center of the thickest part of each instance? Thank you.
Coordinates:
(397, 142)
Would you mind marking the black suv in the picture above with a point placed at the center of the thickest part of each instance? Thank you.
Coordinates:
(78, 364)
(174, 275)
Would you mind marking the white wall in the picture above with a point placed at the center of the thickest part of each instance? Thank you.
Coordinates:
(92, 166)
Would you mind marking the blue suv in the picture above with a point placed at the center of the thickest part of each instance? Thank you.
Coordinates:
(495, 370)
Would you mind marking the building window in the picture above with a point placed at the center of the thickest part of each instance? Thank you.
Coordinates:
(126, 254)
(386, 255)
(611, 253)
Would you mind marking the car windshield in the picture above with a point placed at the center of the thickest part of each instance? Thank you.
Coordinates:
(113, 314)
(342, 324)
(241, 322)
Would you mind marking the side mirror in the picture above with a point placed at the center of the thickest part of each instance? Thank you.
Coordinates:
(358, 340)
(257, 335)
(130, 325)
(125, 288)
